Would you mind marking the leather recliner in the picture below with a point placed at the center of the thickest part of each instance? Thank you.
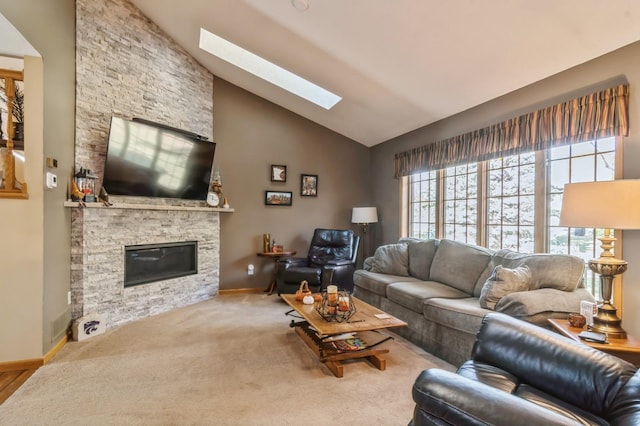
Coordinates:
(331, 259)
(522, 374)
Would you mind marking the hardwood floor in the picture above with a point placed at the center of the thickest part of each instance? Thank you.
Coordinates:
(10, 381)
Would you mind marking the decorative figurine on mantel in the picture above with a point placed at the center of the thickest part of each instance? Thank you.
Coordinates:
(215, 197)
(104, 197)
(76, 194)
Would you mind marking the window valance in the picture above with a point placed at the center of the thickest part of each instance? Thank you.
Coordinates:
(597, 115)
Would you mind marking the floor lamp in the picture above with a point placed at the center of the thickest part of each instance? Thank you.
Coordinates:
(364, 216)
(605, 205)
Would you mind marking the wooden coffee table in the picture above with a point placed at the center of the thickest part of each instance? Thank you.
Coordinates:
(316, 332)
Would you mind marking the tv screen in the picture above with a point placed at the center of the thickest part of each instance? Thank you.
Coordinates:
(150, 160)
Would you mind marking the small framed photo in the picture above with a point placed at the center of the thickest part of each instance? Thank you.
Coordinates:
(277, 198)
(278, 173)
(309, 185)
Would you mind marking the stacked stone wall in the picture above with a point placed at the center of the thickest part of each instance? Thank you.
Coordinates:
(126, 66)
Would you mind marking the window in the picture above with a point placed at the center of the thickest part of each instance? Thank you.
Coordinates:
(584, 162)
(422, 205)
(512, 202)
(460, 203)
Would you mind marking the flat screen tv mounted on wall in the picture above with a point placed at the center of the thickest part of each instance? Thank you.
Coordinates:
(148, 159)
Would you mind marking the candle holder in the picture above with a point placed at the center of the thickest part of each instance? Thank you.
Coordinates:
(336, 306)
(86, 183)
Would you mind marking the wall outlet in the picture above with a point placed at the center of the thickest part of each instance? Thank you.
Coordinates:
(68, 297)
(250, 269)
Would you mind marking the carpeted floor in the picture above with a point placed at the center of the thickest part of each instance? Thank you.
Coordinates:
(232, 360)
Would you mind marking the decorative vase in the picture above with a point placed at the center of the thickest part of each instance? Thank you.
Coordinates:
(266, 243)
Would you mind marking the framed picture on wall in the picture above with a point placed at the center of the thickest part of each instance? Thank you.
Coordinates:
(278, 173)
(277, 198)
(308, 185)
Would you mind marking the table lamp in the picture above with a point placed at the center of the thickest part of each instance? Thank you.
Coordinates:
(364, 216)
(606, 205)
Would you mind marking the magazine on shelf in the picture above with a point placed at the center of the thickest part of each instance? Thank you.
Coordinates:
(352, 344)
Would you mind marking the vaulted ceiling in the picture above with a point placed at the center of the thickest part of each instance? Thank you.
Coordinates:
(400, 64)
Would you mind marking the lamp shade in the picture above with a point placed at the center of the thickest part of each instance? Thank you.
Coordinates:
(611, 204)
(364, 215)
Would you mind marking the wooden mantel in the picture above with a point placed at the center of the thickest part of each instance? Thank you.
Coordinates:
(135, 206)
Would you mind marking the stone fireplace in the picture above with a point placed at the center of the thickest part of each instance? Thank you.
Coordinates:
(100, 236)
(135, 70)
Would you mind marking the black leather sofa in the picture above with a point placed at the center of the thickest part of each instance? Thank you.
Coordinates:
(331, 259)
(522, 374)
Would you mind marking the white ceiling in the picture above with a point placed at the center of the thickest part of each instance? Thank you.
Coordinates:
(400, 64)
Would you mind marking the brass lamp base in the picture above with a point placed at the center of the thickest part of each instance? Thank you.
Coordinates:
(606, 320)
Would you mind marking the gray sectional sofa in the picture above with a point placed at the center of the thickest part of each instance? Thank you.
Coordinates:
(443, 289)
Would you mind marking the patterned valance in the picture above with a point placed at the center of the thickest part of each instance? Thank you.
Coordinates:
(598, 115)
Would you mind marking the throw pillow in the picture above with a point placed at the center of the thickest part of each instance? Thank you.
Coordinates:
(391, 259)
(502, 282)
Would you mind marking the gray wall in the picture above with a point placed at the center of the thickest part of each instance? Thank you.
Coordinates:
(620, 66)
(50, 27)
(251, 135)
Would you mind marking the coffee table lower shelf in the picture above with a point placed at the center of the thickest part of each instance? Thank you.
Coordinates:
(333, 358)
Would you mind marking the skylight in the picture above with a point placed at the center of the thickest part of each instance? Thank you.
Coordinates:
(266, 70)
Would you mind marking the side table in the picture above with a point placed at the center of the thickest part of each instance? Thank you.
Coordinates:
(275, 256)
(627, 349)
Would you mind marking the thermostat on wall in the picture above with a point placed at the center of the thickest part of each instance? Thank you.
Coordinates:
(52, 180)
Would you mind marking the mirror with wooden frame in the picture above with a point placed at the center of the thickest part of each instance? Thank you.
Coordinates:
(12, 158)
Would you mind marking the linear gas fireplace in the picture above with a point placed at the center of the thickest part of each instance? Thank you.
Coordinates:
(155, 262)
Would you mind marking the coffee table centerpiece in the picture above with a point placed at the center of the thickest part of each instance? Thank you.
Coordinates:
(336, 305)
(322, 336)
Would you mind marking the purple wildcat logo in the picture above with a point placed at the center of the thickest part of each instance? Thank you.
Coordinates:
(90, 327)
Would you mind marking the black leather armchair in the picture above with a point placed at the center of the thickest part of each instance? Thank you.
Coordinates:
(331, 260)
(522, 374)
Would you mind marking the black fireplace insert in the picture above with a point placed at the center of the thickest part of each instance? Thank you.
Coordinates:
(156, 262)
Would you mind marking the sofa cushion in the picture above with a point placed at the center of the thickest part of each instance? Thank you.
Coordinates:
(559, 271)
(528, 303)
(502, 282)
(391, 259)
(376, 282)
(460, 314)
(421, 254)
(412, 294)
(459, 265)
(367, 264)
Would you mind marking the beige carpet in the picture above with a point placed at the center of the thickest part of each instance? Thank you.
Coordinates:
(232, 360)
